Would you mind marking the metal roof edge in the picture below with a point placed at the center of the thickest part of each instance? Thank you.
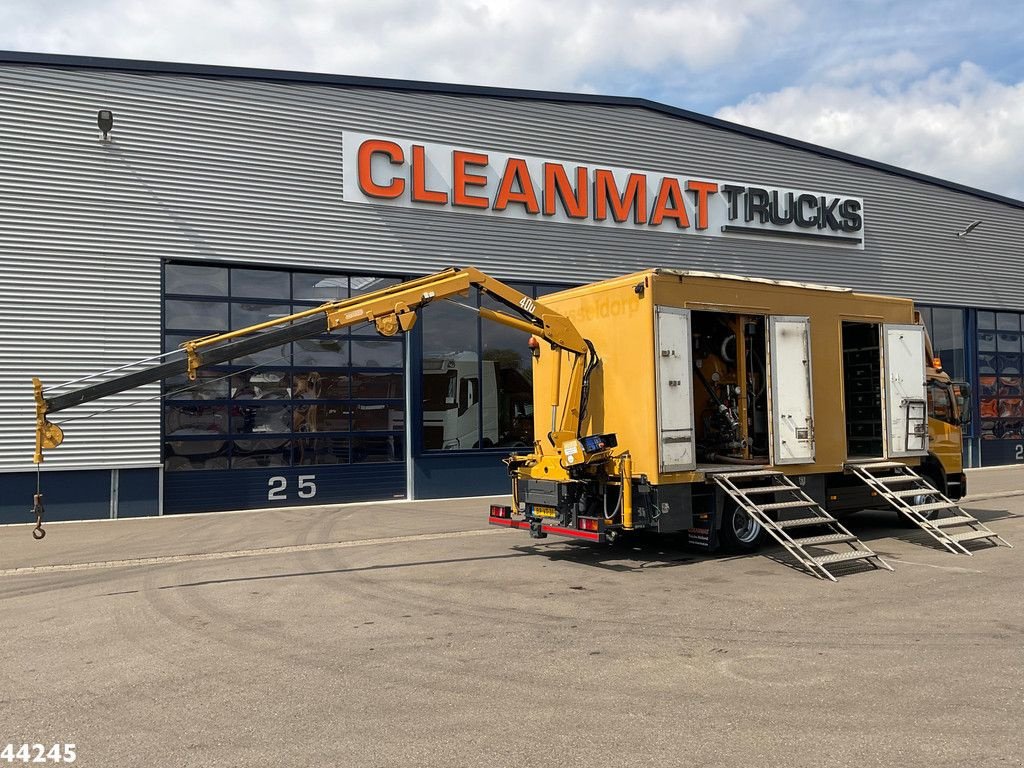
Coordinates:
(423, 86)
(748, 279)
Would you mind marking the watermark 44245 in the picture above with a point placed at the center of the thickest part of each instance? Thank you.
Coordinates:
(37, 753)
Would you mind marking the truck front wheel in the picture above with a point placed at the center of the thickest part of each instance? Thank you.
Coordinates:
(740, 532)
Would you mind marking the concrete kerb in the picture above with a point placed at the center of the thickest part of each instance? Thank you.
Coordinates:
(269, 510)
(986, 496)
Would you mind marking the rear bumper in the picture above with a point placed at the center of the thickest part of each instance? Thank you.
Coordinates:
(524, 525)
(508, 522)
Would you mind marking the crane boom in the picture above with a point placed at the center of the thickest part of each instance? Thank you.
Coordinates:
(391, 310)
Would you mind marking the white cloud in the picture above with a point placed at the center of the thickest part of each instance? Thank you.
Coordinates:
(886, 68)
(512, 43)
(959, 124)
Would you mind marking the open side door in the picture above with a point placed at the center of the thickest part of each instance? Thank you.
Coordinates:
(791, 404)
(906, 401)
(672, 341)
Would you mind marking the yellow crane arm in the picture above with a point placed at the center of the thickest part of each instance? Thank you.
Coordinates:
(391, 310)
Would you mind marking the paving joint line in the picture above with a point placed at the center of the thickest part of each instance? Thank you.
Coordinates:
(241, 553)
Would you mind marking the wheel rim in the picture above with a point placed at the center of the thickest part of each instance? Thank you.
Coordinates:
(745, 528)
(925, 498)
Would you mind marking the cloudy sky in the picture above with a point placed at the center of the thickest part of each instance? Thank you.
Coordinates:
(936, 86)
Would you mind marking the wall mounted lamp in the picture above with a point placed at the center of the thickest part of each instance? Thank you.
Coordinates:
(105, 121)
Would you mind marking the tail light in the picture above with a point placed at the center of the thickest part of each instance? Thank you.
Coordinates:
(499, 511)
(587, 524)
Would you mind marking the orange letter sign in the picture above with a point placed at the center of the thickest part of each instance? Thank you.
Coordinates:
(395, 156)
(633, 196)
(517, 173)
(556, 182)
(463, 179)
(420, 193)
(669, 204)
(701, 190)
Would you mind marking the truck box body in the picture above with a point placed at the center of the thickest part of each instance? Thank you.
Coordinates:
(670, 343)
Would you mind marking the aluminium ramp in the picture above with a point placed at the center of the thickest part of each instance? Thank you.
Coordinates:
(942, 519)
(780, 506)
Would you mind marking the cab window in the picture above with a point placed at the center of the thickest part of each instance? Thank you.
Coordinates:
(940, 403)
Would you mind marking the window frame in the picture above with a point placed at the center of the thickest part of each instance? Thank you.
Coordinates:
(222, 380)
(417, 373)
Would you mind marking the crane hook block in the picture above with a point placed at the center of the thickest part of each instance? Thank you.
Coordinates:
(52, 435)
(48, 435)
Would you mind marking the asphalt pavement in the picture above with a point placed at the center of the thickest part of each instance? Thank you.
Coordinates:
(412, 634)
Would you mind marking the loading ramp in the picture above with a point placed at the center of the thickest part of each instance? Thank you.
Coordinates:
(781, 506)
(909, 493)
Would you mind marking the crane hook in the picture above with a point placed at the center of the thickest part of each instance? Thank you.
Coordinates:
(37, 510)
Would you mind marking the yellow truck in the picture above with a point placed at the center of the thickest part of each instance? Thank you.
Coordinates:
(692, 403)
(726, 407)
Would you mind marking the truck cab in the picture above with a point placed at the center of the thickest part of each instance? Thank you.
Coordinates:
(949, 413)
(453, 386)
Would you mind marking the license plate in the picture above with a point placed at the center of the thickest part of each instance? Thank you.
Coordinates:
(545, 512)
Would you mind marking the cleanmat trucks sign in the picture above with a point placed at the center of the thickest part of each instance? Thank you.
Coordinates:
(411, 174)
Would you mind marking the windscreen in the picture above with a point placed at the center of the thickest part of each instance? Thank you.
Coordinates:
(439, 391)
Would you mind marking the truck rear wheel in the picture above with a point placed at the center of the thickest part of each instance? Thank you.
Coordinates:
(935, 480)
(740, 532)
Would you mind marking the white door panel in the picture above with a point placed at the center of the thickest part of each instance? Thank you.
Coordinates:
(906, 403)
(791, 407)
(676, 449)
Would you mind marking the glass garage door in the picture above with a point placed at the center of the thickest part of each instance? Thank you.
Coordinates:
(1001, 387)
(318, 421)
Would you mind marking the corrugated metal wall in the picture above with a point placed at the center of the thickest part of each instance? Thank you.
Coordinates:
(249, 171)
(73, 298)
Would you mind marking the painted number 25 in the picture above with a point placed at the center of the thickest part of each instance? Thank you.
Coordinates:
(278, 487)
